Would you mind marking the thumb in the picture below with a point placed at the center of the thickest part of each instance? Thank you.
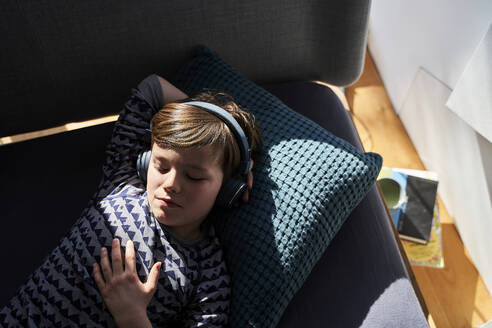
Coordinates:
(153, 277)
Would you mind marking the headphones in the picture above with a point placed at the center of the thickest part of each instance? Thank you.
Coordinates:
(237, 183)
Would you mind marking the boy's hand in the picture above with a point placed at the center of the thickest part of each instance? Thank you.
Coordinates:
(123, 292)
(245, 196)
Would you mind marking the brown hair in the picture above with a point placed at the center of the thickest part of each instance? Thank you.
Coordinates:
(178, 125)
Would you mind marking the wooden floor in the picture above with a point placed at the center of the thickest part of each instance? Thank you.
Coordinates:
(456, 295)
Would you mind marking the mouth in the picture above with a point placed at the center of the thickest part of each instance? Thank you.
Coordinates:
(167, 202)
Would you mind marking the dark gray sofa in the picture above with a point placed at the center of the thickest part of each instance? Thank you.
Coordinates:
(70, 61)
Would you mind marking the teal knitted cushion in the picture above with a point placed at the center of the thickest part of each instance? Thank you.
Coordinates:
(305, 185)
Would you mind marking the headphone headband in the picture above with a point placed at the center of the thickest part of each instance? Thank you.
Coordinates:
(234, 126)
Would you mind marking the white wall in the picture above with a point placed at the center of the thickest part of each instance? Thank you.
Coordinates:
(439, 35)
(421, 49)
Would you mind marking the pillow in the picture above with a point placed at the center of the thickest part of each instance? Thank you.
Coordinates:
(305, 185)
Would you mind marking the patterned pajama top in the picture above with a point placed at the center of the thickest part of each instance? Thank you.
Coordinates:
(193, 288)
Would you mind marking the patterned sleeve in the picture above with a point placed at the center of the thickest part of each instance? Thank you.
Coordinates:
(62, 292)
(131, 134)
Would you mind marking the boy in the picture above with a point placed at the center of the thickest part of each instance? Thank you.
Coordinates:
(193, 154)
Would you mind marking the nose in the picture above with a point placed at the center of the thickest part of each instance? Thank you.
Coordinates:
(171, 182)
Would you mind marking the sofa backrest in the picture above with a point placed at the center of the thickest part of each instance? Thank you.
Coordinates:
(65, 61)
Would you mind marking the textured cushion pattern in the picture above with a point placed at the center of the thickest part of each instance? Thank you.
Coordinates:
(306, 184)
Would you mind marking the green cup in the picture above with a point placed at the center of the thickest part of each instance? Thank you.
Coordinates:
(392, 192)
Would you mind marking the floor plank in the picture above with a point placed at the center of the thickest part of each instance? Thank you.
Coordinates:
(456, 295)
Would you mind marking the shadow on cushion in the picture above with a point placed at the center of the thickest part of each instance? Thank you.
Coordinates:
(305, 187)
(357, 278)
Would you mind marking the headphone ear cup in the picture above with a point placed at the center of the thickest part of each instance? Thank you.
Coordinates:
(230, 192)
(143, 161)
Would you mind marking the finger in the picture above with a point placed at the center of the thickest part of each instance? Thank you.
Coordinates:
(245, 196)
(105, 266)
(250, 175)
(249, 184)
(153, 277)
(116, 257)
(130, 256)
(96, 272)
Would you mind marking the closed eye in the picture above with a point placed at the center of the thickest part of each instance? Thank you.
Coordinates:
(193, 178)
(161, 169)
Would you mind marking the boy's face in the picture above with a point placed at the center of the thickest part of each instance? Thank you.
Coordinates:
(182, 185)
